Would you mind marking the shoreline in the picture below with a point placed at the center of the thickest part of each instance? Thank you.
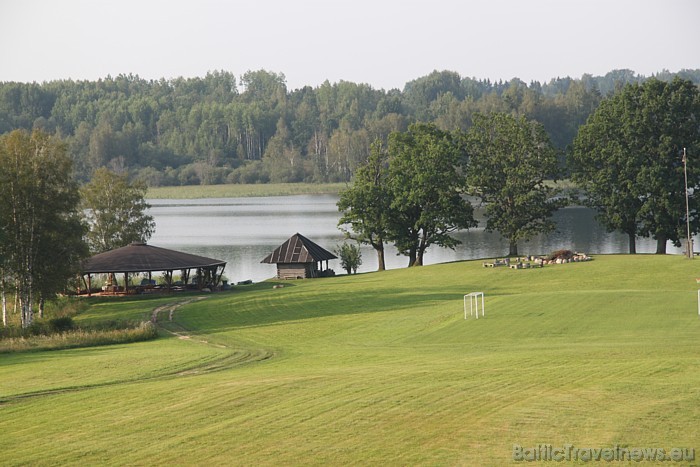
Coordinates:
(244, 190)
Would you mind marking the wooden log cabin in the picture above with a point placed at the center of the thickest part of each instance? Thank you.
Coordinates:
(300, 258)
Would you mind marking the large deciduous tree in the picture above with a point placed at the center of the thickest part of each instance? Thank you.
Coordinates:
(115, 211)
(605, 169)
(509, 161)
(627, 158)
(426, 188)
(366, 205)
(41, 245)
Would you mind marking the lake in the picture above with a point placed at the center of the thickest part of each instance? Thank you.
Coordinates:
(242, 231)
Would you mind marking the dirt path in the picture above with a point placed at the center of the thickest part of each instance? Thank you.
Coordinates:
(171, 307)
(237, 356)
(181, 333)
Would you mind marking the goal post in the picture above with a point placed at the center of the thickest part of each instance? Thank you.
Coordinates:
(474, 304)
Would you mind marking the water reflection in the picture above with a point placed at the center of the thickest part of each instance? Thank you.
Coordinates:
(242, 231)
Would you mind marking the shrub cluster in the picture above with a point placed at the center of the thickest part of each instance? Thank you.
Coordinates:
(560, 254)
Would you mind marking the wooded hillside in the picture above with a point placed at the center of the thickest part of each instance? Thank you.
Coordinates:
(224, 129)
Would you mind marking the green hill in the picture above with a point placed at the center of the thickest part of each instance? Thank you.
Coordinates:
(377, 368)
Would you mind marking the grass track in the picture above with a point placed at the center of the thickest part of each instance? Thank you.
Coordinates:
(378, 369)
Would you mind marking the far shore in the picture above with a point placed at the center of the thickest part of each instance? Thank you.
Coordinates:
(265, 189)
(244, 191)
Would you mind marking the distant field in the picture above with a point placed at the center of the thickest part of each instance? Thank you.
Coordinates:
(377, 369)
(258, 190)
(240, 191)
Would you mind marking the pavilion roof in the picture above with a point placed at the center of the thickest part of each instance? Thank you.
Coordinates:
(140, 257)
(298, 249)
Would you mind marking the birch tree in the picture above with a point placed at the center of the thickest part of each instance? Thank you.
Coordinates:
(39, 217)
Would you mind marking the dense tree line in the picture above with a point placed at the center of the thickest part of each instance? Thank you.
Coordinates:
(220, 128)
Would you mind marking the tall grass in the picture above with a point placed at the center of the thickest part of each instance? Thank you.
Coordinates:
(79, 338)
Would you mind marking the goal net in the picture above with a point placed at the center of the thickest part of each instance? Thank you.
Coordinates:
(474, 304)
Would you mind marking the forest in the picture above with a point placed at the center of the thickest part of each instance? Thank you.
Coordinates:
(253, 129)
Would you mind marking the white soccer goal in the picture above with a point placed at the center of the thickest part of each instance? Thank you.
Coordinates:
(474, 304)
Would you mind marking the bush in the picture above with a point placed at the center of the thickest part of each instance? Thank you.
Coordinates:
(350, 257)
(62, 324)
(251, 172)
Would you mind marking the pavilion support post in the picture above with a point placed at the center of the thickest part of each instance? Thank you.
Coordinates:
(126, 283)
(218, 278)
(89, 285)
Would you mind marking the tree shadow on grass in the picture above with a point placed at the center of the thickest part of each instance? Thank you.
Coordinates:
(284, 308)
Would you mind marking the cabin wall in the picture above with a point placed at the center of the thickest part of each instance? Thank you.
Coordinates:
(296, 270)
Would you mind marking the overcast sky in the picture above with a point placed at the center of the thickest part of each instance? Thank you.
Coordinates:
(384, 43)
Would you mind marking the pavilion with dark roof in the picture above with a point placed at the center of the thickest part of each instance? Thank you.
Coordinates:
(142, 258)
(300, 258)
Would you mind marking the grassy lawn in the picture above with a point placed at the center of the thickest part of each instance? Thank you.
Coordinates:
(241, 191)
(377, 369)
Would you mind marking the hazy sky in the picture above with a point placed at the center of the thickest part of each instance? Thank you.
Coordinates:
(384, 43)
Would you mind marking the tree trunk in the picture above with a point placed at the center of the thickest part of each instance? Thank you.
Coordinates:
(421, 251)
(26, 313)
(4, 306)
(41, 307)
(380, 257)
(419, 258)
(412, 257)
(633, 243)
(661, 245)
(513, 250)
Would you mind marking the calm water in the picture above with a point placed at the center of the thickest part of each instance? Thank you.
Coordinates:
(242, 231)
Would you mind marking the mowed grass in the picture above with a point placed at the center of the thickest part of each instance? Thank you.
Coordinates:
(243, 190)
(377, 369)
